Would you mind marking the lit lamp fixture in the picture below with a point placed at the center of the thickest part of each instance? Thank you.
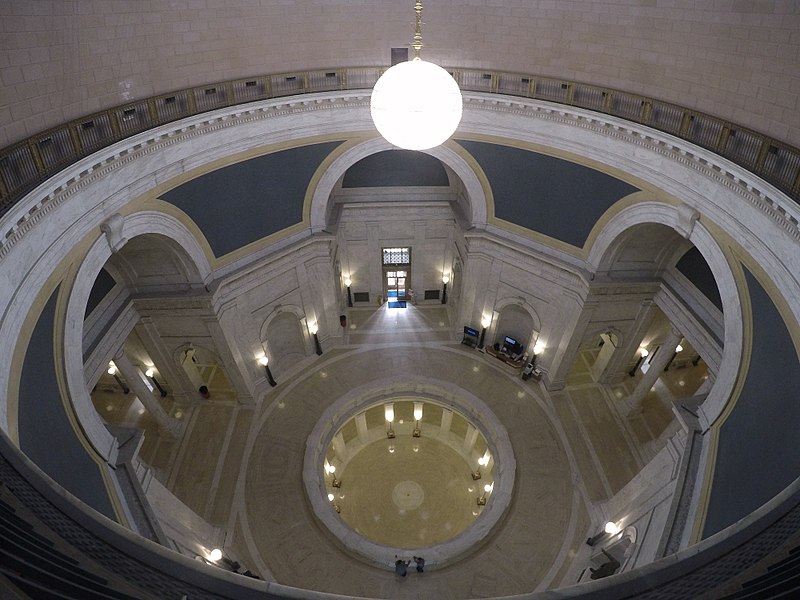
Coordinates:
(538, 348)
(609, 529)
(487, 489)
(264, 360)
(313, 329)
(482, 462)
(417, 419)
(215, 555)
(330, 469)
(388, 412)
(348, 283)
(112, 370)
(485, 322)
(150, 372)
(336, 507)
(416, 105)
(445, 281)
(678, 348)
(643, 352)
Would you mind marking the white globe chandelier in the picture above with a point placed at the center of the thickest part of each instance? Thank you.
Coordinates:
(416, 105)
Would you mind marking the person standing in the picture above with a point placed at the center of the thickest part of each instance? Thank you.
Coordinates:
(420, 563)
(401, 566)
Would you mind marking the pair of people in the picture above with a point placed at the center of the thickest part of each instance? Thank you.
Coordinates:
(401, 566)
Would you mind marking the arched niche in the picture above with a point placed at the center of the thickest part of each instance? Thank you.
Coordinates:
(517, 318)
(202, 367)
(285, 338)
(173, 237)
(320, 206)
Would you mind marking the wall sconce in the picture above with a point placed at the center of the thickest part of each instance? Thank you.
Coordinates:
(485, 322)
(487, 489)
(388, 412)
(609, 529)
(336, 507)
(264, 360)
(313, 329)
(538, 348)
(215, 555)
(482, 462)
(112, 370)
(643, 352)
(445, 281)
(678, 349)
(330, 469)
(348, 283)
(417, 418)
(150, 372)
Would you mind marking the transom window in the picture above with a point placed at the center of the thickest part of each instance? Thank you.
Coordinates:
(396, 256)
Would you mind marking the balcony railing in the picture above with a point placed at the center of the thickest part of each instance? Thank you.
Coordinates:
(29, 162)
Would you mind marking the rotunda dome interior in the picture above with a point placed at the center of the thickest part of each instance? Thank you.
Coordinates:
(236, 318)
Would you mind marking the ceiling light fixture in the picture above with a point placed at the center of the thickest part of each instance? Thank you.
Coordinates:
(416, 105)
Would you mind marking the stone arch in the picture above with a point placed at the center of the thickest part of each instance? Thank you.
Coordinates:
(684, 222)
(523, 307)
(137, 224)
(319, 206)
(284, 336)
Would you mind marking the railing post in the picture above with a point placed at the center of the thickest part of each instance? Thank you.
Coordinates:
(723, 138)
(647, 111)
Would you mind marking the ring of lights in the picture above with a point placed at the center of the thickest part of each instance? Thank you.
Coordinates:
(445, 394)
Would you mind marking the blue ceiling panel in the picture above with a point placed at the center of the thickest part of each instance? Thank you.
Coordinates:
(550, 195)
(392, 168)
(242, 203)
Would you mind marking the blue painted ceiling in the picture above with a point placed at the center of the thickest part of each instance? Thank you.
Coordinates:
(695, 268)
(244, 202)
(757, 450)
(393, 168)
(555, 197)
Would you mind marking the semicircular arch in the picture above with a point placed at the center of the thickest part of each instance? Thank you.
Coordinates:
(318, 201)
(137, 224)
(620, 229)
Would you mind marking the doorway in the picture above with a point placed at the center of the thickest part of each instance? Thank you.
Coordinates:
(395, 284)
(396, 273)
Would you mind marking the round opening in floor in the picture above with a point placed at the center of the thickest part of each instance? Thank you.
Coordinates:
(409, 472)
(409, 482)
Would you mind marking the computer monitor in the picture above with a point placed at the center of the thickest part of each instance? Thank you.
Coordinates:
(510, 345)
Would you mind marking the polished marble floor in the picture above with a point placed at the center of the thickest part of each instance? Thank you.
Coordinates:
(240, 467)
(408, 492)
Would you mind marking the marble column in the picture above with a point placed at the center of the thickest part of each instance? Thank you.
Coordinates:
(361, 428)
(148, 399)
(223, 332)
(660, 360)
(179, 385)
(619, 365)
(447, 420)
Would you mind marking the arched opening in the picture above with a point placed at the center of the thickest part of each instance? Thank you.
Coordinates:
(285, 338)
(514, 330)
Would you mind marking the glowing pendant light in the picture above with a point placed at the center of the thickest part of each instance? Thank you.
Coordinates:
(416, 105)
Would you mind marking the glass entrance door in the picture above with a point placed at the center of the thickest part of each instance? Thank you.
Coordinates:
(396, 272)
(395, 284)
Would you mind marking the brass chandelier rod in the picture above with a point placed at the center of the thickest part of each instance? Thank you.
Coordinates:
(417, 43)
